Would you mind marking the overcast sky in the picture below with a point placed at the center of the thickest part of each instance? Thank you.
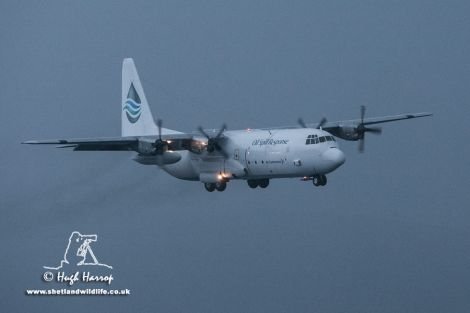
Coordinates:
(390, 232)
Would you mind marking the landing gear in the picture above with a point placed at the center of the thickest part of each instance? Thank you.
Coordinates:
(209, 186)
(220, 186)
(319, 180)
(253, 183)
(263, 183)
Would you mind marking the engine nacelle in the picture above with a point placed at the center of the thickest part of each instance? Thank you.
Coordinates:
(166, 158)
(146, 148)
(345, 132)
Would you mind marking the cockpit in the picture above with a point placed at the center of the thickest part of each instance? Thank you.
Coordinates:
(314, 139)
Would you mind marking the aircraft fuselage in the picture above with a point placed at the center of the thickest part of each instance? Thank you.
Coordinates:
(263, 154)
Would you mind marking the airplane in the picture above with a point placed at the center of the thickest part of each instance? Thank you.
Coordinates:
(216, 157)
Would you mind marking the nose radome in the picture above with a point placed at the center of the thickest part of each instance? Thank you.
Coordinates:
(335, 156)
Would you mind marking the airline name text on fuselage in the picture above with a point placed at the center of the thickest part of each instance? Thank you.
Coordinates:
(269, 141)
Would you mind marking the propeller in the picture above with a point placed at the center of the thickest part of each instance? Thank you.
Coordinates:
(159, 144)
(361, 129)
(302, 124)
(213, 142)
(322, 122)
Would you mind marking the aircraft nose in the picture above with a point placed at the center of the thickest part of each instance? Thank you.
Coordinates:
(335, 157)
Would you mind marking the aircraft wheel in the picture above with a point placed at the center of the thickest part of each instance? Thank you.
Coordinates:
(263, 183)
(316, 181)
(220, 186)
(209, 186)
(252, 183)
(323, 180)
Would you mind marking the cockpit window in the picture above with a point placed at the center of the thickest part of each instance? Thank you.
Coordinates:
(311, 139)
(314, 139)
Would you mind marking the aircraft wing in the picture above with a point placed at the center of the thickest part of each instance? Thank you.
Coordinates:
(354, 130)
(90, 144)
(108, 143)
(367, 121)
(373, 120)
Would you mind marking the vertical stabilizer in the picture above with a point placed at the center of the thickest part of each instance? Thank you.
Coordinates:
(136, 118)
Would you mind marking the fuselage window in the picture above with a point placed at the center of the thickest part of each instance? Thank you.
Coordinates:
(322, 139)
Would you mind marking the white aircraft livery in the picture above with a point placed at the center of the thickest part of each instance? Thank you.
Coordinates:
(216, 157)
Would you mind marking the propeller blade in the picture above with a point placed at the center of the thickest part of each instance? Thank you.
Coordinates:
(322, 122)
(201, 130)
(361, 145)
(159, 125)
(221, 131)
(212, 143)
(373, 130)
(363, 113)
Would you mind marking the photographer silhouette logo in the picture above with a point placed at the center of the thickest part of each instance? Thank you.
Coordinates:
(79, 253)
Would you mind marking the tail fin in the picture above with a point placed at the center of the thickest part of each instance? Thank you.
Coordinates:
(136, 118)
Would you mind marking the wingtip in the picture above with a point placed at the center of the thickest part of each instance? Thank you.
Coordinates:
(426, 114)
(421, 114)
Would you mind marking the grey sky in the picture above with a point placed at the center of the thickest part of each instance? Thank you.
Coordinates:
(390, 232)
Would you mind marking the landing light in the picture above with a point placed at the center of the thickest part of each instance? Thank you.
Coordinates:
(223, 176)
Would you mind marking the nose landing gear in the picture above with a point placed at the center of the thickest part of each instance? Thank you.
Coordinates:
(319, 180)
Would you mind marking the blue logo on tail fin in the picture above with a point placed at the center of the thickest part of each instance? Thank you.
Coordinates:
(132, 105)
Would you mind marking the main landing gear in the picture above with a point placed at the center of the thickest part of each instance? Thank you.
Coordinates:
(219, 186)
(319, 180)
(253, 183)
